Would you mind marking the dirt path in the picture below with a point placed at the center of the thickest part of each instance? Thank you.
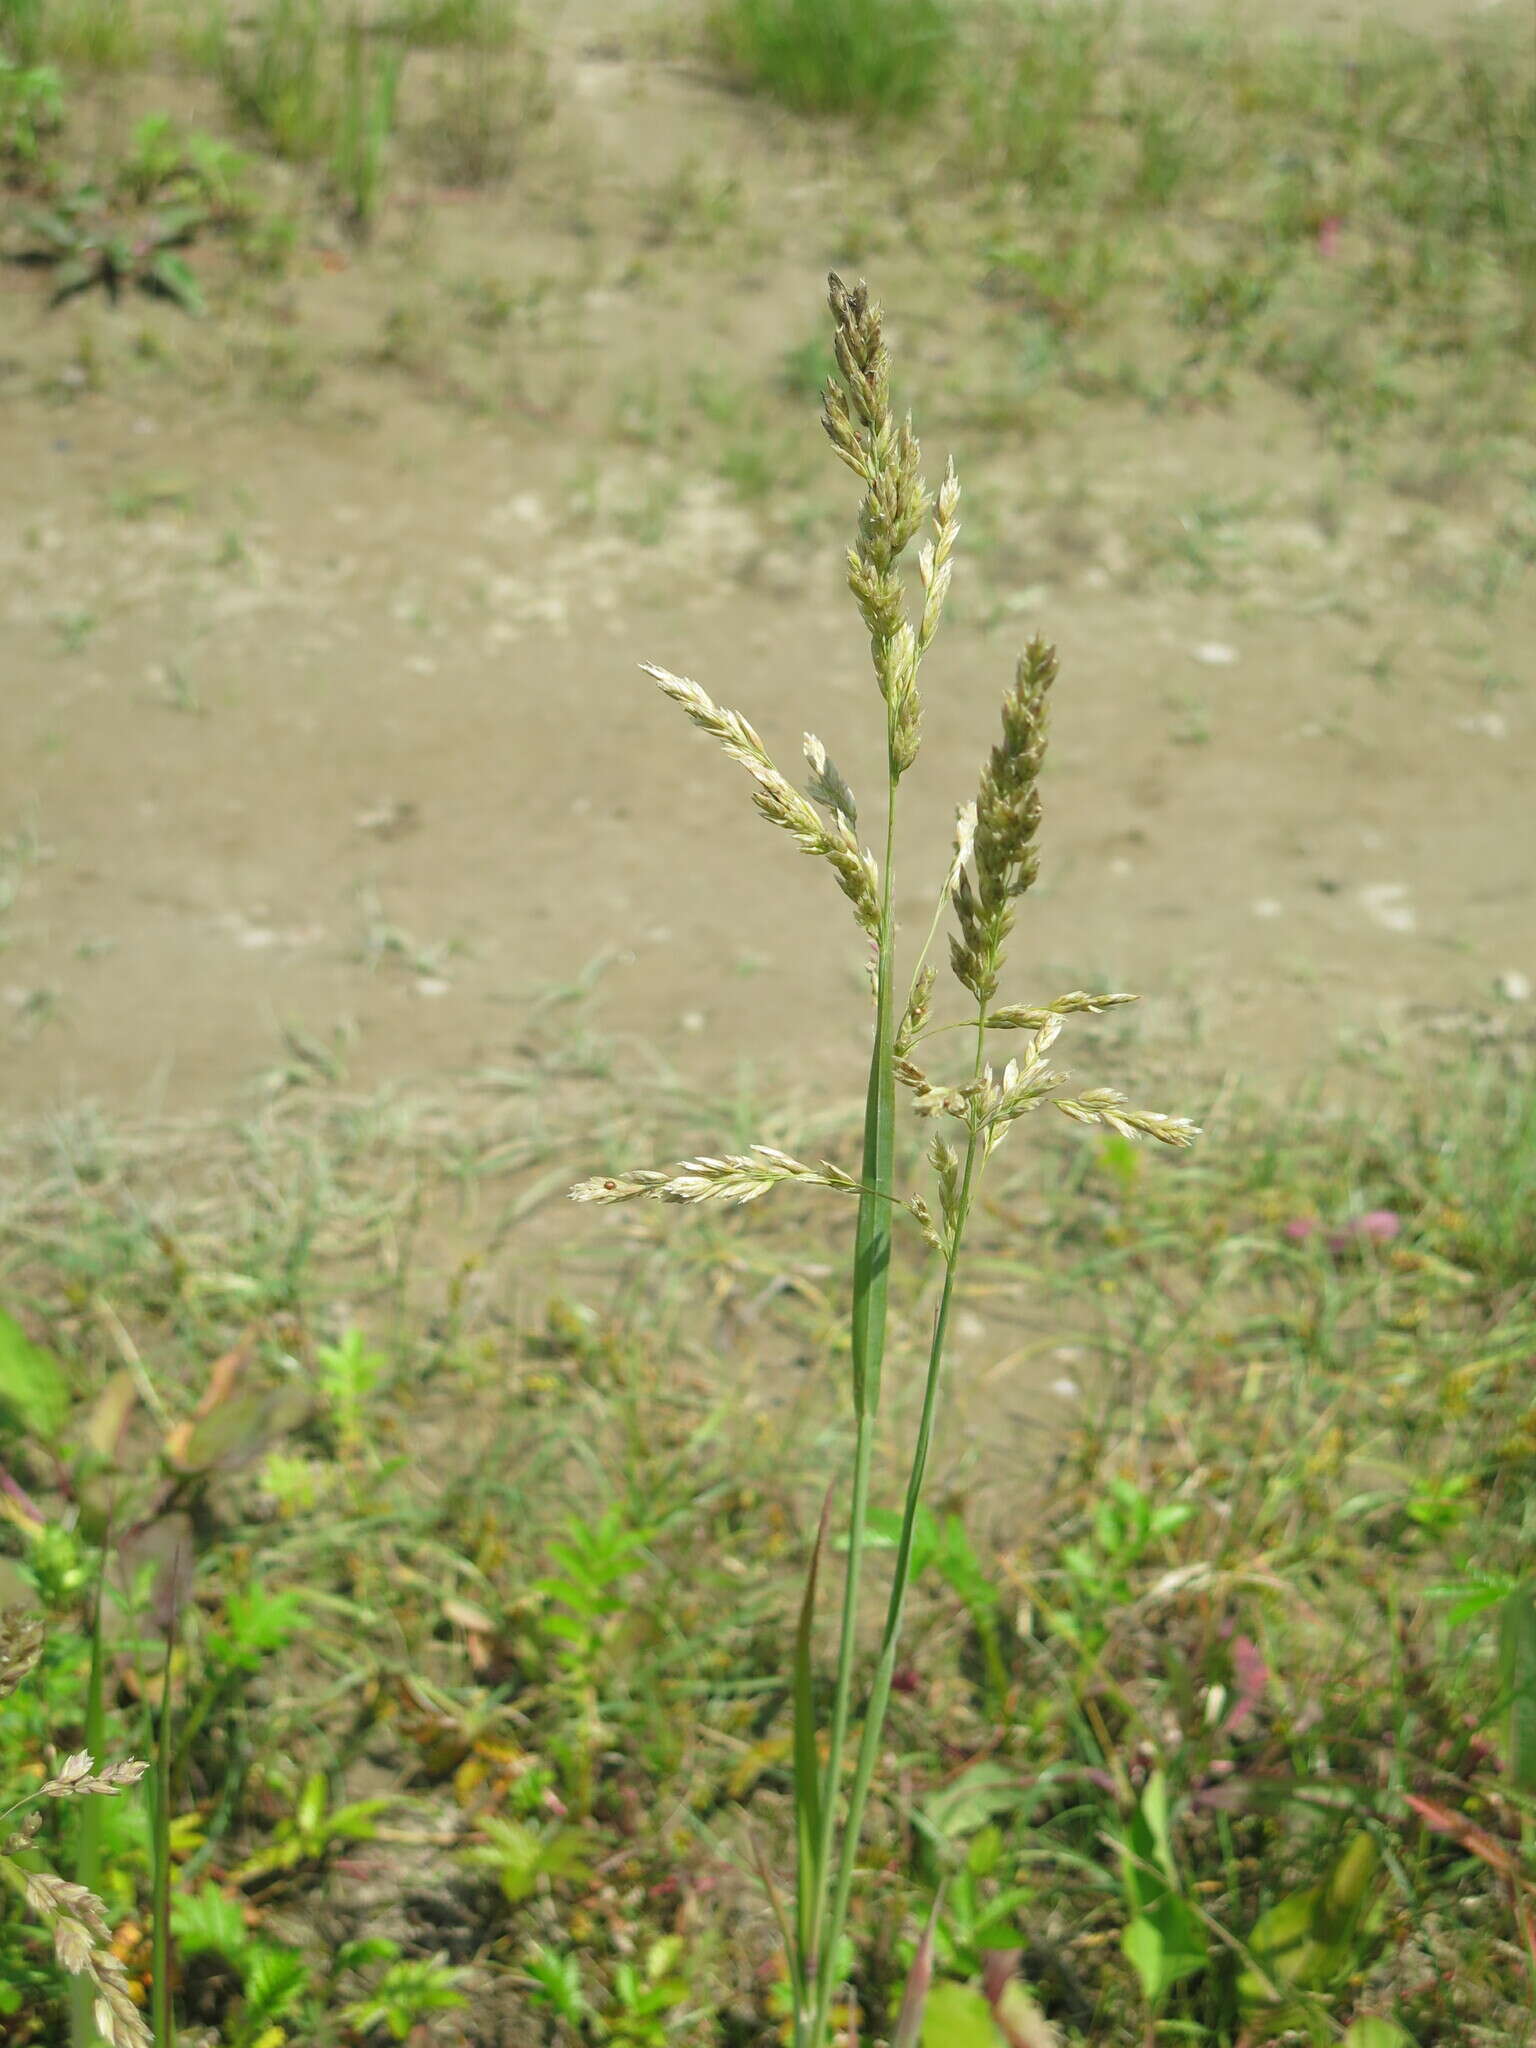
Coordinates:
(324, 712)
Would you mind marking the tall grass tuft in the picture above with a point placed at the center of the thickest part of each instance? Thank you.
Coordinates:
(85, 35)
(867, 57)
(993, 862)
(472, 24)
(21, 30)
(370, 84)
(274, 76)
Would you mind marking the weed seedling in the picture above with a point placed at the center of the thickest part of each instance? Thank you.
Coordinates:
(90, 243)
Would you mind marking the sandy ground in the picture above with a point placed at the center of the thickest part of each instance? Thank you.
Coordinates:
(325, 716)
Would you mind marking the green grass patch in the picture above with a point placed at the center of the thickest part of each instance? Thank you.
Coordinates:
(865, 57)
(1249, 1500)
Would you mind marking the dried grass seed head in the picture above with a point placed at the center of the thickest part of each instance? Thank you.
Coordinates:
(21, 1644)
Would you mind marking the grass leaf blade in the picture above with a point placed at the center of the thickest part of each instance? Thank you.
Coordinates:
(807, 1764)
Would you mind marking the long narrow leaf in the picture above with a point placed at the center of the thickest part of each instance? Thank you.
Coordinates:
(807, 1764)
(1517, 1649)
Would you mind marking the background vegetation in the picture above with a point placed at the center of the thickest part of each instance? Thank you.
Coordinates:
(443, 1571)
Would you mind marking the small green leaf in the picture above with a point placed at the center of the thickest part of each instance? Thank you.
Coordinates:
(240, 1427)
(1164, 1941)
(958, 2017)
(961, 1569)
(1164, 1945)
(1308, 1939)
(956, 1811)
(313, 1801)
(1142, 1947)
(34, 1392)
(882, 1531)
(1375, 2032)
(210, 1919)
(172, 275)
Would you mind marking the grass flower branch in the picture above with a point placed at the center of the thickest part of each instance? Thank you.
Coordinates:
(72, 1913)
(994, 861)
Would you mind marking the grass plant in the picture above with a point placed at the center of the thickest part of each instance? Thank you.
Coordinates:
(81, 35)
(472, 24)
(276, 77)
(994, 862)
(370, 83)
(486, 103)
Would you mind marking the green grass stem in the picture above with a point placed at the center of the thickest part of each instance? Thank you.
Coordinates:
(162, 2020)
(88, 1860)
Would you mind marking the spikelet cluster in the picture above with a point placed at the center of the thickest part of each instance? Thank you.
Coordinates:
(77, 1920)
(995, 856)
(1005, 855)
(783, 805)
(739, 1177)
(21, 1644)
(884, 454)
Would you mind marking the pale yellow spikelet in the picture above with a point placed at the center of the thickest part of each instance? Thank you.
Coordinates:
(738, 1177)
(885, 455)
(828, 786)
(79, 1777)
(781, 804)
(1108, 1106)
(1022, 1017)
(934, 566)
(77, 1921)
(915, 1016)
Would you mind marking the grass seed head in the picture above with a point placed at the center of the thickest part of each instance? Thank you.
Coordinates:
(862, 428)
(782, 805)
(21, 1644)
(1007, 821)
(827, 786)
(739, 1177)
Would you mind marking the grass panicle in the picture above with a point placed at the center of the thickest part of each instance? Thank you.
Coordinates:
(73, 1914)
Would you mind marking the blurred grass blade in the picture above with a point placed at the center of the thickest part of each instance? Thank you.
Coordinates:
(1517, 1655)
(807, 1764)
(909, 2025)
(33, 1389)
